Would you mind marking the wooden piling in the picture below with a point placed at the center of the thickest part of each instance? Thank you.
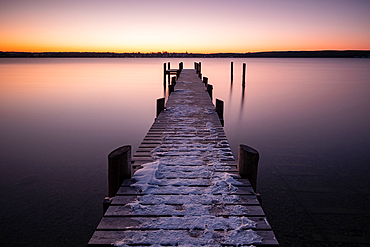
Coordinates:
(232, 71)
(243, 74)
(173, 81)
(119, 168)
(220, 110)
(171, 88)
(205, 80)
(181, 66)
(160, 105)
(164, 73)
(169, 75)
(209, 90)
(248, 164)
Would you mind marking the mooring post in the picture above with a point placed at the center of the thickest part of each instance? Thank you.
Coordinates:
(209, 90)
(173, 81)
(164, 73)
(171, 88)
(243, 74)
(200, 70)
(220, 110)
(248, 164)
(169, 73)
(181, 66)
(160, 105)
(232, 71)
(119, 168)
(205, 80)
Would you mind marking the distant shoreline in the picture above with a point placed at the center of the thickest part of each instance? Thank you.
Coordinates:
(272, 54)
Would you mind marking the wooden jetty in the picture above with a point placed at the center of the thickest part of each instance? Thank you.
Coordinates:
(186, 189)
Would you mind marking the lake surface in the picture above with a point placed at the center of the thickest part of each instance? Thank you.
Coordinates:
(308, 118)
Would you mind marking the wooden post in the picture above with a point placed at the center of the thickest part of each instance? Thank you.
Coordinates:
(209, 90)
(243, 75)
(171, 89)
(205, 80)
(173, 81)
(119, 168)
(160, 105)
(181, 66)
(220, 108)
(164, 73)
(169, 75)
(232, 71)
(248, 164)
(196, 67)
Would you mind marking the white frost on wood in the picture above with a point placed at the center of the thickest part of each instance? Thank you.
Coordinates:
(189, 179)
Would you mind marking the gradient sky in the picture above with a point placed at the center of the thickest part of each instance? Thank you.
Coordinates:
(178, 26)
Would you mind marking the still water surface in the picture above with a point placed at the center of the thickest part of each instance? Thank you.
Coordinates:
(308, 118)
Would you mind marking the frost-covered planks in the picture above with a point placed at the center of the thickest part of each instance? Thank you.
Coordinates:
(193, 237)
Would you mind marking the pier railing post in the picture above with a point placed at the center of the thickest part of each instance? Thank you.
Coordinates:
(169, 74)
(200, 70)
(248, 164)
(209, 90)
(205, 80)
(164, 73)
(173, 81)
(119, 168)
(181, 66)
(243, 74)
(220, 110)
(160, 105)
(171, 88)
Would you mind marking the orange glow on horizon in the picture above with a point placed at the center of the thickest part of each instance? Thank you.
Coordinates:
(214, 26)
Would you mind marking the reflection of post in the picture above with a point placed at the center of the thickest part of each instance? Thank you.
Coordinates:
(248, 164)
(243, 93)
(243, 74)
(232, 72)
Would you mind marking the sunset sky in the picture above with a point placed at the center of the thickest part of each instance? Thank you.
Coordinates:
(178, 26)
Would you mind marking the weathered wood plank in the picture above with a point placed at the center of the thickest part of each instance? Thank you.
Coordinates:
(186, 199)
(183, 223)
(176, 237)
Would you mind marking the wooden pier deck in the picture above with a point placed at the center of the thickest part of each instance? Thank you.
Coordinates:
(186, 190)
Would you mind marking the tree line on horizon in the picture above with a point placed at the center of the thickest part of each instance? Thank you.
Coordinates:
(288, 54)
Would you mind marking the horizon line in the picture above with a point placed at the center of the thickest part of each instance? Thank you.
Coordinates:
(186, 52)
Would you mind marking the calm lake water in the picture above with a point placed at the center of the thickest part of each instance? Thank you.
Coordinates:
(308, 118)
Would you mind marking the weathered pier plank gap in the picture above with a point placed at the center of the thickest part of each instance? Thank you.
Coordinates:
(186, 189)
